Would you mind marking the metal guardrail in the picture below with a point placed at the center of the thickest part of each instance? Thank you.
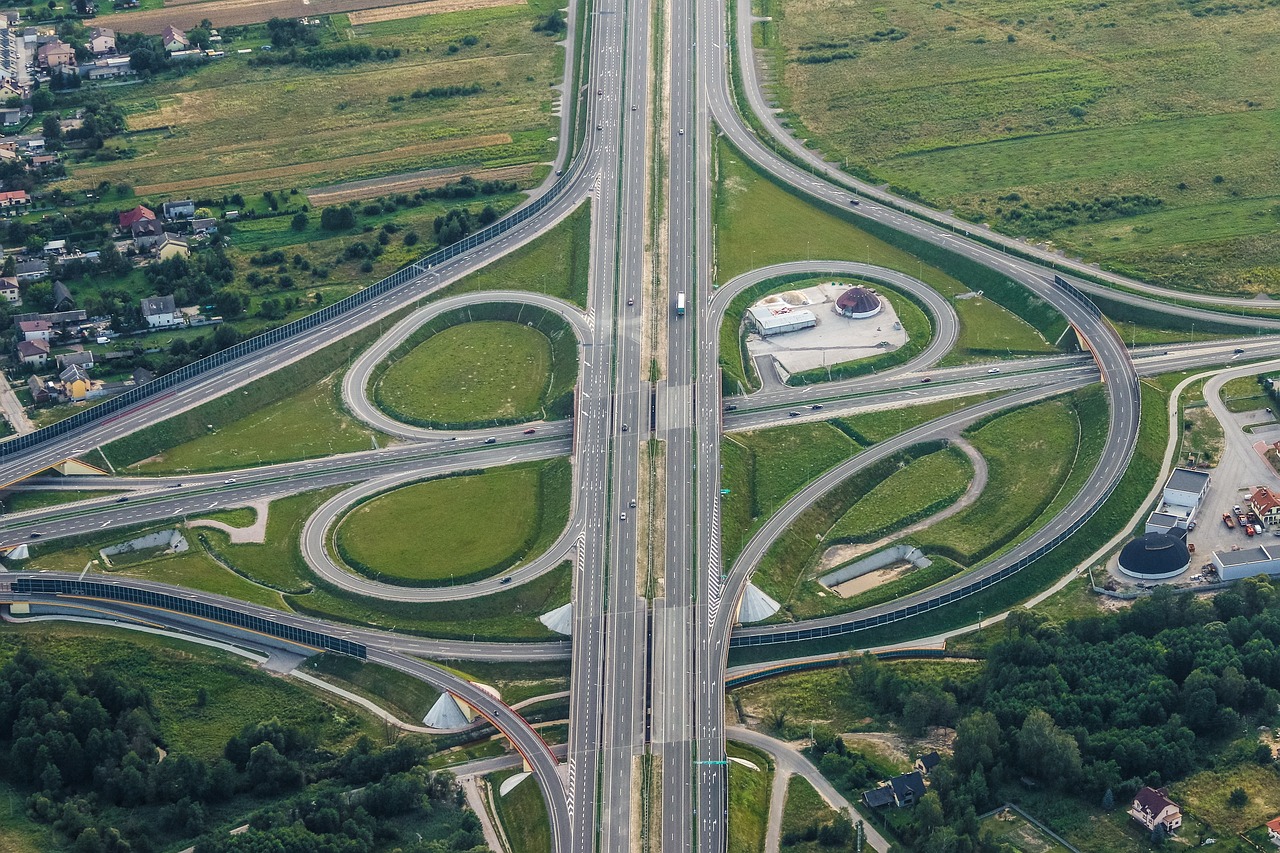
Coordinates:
(283, 333)
(965, 591)
(199, 609)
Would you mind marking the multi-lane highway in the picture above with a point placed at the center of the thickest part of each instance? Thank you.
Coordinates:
(648, 650)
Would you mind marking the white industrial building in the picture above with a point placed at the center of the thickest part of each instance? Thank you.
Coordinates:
(776, 321)
(1183, 493)
(1247, 562)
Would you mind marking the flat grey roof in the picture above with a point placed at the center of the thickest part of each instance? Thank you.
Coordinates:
(1186, 480)
(1163, 518)
(1257, 554)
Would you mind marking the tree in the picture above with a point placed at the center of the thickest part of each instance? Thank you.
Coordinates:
(977, 743)
(1046, 752)
(1109, 800)
(337, 218)
(299, 222)
(1238, 798)
(51, 126)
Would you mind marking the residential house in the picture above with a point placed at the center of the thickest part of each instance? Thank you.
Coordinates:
(33, 269)
(160, 311)
(928, 761)
(62, 298)
(9, 289)
(101, 41)
(901, 791)
(55, 247)
(84, 358)
(107, 67)
(129, 217)
(10, 116)
(42, 160)
(1152, 807)
(35, 330)
(172, 246)
(34, 353)
(14, 198)
(185, 209)
(174, 39)
(39, 389)
(202, 227)
(141, 376)
(146, 233)
(1273, 831)
(1266, 504)
(75, 382)
(55, 54)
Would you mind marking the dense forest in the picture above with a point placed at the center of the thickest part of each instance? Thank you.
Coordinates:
(1094, 708)
(86, 748)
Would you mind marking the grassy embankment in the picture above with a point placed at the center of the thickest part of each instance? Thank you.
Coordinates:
(748, 799)
(1115, 514)
(1047, 122)
(1029, 453)
(442, 540)
(271, 420)
(523, 813)
(804, 808)
(483, 365)
(758, 223)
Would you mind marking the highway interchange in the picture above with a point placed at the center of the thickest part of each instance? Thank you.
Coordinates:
(652, 620)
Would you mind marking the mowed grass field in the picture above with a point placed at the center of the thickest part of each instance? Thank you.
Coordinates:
(1030, 104)
(470, 372)
(234, 126)
(449, 529)
(929, 484)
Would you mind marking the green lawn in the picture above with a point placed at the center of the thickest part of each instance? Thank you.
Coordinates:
(1205, 796)
(523, 813)
(1040, 118)
(469, 373)
(748, 799)
(878, 426)
(1244, 394)
(19, 832)
(509, 615)
(16, 501)
(758, 223)
(277, 562)
(1029, 454)
(556, 263)
(442, 535)
(918, 489)
(195, 568)
(804, 809)
(1019, 833)
(303, 425)
(174, 672)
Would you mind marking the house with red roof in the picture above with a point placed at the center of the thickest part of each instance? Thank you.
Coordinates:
(139, 213)
(1273, 831)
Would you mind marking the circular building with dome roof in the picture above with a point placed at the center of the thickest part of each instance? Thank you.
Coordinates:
(858, 303)
(1154, 556)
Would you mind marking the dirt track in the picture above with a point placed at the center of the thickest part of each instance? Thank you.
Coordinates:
(431, 7)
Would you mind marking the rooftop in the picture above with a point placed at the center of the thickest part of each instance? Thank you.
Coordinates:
(1256, 554)
(1186, 480)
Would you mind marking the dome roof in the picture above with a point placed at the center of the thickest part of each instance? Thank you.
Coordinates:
(858, 300)
(1155, 555)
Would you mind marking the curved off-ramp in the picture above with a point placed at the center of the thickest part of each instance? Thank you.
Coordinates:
(355, 384)
(317, 533)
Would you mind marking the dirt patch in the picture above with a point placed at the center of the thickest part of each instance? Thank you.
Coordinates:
(407, 182)
(427, 149)
(433, 7)
(899, 748)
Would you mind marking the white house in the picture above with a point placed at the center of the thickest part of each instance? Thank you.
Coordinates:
(1152, 807)
(160, 312)
(36, 330)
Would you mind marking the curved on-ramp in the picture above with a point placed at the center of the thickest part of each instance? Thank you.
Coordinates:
(355, 384)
